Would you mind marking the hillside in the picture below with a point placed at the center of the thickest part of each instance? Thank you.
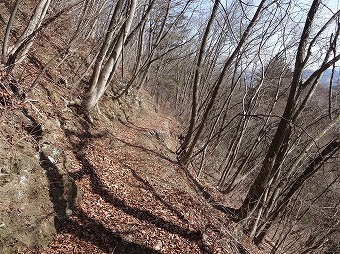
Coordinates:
(148, 126)
(113, 186)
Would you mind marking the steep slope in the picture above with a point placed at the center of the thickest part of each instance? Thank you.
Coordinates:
(113, 186)
(135, 198)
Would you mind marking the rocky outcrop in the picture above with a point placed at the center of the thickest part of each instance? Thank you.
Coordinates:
(26, 210)
(37, 194)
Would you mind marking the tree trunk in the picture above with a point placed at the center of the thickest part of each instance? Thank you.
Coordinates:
(11, 54)
(102, 72)
(279, 144)
(185, 155)
(4, 56)
(311, 169)
(197, 78)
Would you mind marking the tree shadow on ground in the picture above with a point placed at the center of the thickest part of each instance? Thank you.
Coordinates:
(56, 190)
(91, 230)
(147, 186)
(85, 228)
(229, 211)
(146, 150)
(55, 179)
(98, 187)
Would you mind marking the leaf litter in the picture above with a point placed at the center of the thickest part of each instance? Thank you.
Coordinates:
(135, 197)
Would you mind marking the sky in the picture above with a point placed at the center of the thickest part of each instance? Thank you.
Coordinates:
(333, 4)
(298, 14)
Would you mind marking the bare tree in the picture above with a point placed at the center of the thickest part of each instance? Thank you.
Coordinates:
(186, 149)
(115, 38)
(279, 144)
(196, 81)
(17, 52)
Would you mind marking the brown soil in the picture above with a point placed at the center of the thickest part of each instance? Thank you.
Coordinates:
(113, 186)
(135, 197)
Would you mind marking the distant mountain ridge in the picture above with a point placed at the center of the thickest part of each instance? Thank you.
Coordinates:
(326, 77)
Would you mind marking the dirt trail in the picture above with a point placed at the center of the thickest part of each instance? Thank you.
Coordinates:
(135, 198)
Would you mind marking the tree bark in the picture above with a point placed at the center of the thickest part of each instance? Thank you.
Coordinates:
(279, 143)
(185, 155)
(312, 168)
(102, 72)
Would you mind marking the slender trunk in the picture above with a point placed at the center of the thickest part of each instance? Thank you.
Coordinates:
(296, 164)
(7, 33)
(197, 77)
(105, 47)
(185, 156)
(311, 169)
(279, 144)
(103, 72)
(139, 50)
(25, 41)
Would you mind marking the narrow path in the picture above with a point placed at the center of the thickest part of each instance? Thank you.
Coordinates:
(134, 197)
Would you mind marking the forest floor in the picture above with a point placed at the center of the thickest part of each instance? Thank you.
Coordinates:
(130, 194)
(115, 185)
